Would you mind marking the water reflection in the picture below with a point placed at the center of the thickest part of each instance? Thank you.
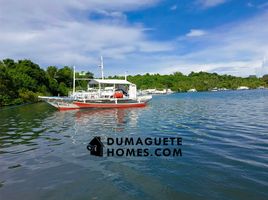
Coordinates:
(118, 117)
(105, 115)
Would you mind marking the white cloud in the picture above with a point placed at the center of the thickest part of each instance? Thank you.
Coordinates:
(65, 34)
(174, 7)
(236, 48)
(263, 69)
(195, 33)
(259, 6)
(210, 3)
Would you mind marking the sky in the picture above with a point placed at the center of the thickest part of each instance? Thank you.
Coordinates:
(138, 36)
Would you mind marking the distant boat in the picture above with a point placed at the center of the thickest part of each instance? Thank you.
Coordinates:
(214, 89)
(243, 88)
(218, 89)
(192, 90)
(155, 91)
(223, 89)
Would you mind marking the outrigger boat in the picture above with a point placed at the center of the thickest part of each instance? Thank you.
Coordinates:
(101, 93)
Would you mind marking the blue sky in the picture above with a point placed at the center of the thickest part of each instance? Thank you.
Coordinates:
(154, 36)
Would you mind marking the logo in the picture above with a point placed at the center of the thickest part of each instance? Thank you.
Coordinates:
(136, 146)
(95, 146)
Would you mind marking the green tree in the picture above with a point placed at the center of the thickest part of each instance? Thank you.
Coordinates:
(63, 90)
(52, 71)
(6, 86)
(65, 75)
(265, 78)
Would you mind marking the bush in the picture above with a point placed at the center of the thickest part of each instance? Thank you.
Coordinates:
(28, 96)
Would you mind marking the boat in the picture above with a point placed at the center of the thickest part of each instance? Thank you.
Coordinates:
(61, 103)
(243, 88)
(155, 91)
(214, 89)
(261, 87)
(101, 93)
(192, 90)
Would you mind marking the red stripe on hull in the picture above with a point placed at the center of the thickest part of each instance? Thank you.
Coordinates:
(106, 105)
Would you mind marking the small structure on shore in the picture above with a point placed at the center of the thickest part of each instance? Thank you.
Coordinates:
(243, 88)
(192, 90)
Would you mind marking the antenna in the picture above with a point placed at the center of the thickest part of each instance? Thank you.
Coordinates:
(101, 66)
(73, 79)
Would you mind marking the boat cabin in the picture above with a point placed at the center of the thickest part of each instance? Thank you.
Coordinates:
(108, 88)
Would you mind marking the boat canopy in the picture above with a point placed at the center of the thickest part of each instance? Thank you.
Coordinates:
(109, 81)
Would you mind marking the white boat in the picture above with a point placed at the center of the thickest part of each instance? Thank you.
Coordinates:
(192, 90)
(214, 89)
(155, 91)
(101, 93)
(243, 88)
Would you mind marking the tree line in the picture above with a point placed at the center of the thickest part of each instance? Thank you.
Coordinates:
(23, 81)
(201, 81)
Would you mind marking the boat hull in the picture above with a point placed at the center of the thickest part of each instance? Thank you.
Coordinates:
(69, 104)
(109, 105)
(64, 105)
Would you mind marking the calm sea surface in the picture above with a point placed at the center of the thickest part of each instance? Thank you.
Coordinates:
(43, 152)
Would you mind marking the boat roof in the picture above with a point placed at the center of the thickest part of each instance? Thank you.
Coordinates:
(109, 81)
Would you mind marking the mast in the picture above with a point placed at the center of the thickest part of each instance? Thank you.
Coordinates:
(73, 79)
(125, 75)
(101, 66)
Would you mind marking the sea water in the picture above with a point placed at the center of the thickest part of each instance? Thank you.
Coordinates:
(44, 155)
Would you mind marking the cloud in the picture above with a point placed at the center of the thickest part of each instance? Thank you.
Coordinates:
(174, 7)
(195, 33)
(73, 32)
(210, 3)
(263, 69)
(259, 6)
(103, 14)
(78, 32)
(237, 48)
